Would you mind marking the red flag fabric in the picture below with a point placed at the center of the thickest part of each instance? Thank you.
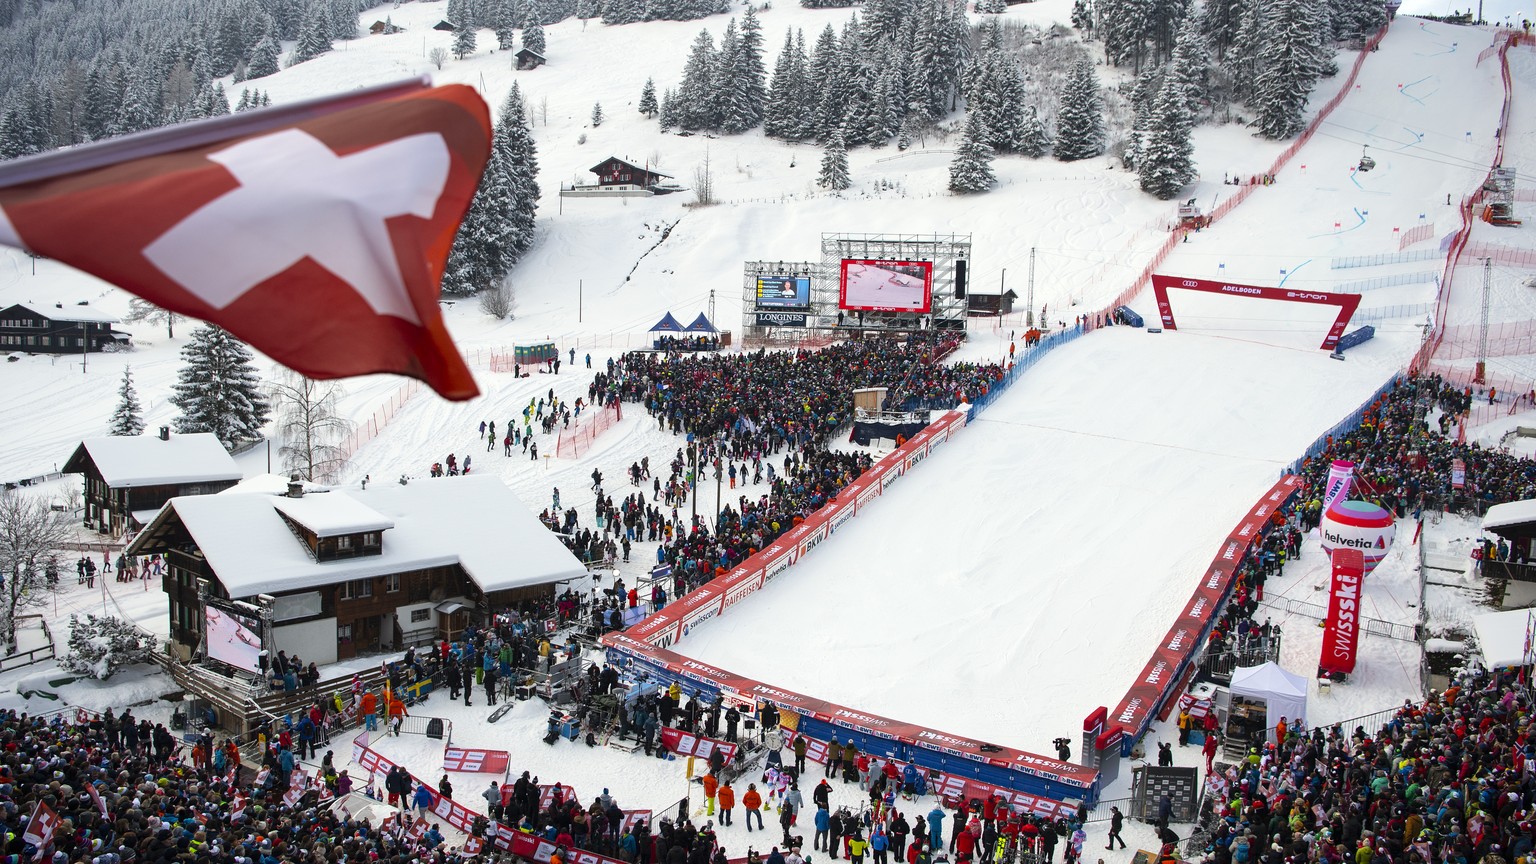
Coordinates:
(40, 829)
(317, 234)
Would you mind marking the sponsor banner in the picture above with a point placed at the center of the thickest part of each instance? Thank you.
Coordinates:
(687, 744)
(776, 559)
(740, 583)
(1110, 737)
(869, 724)
(633, 818)
(540, 851)
(698, 606)
(371, 761)
(815, 751)
(703, 673)
(847, 503)
(954, 789)
(914, 451)
(780, 319)
(659, 628)
(1458, 474)
(1094, 722)
(811, 532)
(1341, 633)
(547, 793)
(473, 761)
(1341, 475)
(452, 812)
(869, 491)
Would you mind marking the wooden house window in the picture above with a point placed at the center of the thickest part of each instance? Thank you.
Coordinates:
(392, 583)
(357, 589)
(420, 615)
(371, 539)
(344, 541)
(343, 632)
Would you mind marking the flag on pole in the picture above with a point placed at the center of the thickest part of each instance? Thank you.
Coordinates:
(317, 232)
(96, 797)
(40, 829)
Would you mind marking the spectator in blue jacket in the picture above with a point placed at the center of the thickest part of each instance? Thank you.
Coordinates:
(422, 800)
(823, 825)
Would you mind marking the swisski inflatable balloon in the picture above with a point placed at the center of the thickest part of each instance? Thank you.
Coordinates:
(1359, 525)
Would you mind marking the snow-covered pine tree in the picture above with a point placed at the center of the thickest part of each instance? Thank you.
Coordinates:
(1126, 26)
(825, 87)
(1143, 100)
(725, 92)
(1357, 19)
(128, 418)
(263, 59)
(1288, 62)
(1035, 137)
(750, 72)
(647, 104)
(314, 37)
(533, 31)
(1241, 62)
(218, 389)
(343, 19)
(597, 114)
(1080, 117)
(834, 165)
(1191, 64)
(991, 7)
(668, 115)
(522, 161)
(504, 25)
(140, 109)
(99, 646)
(228, 42)
(1164, 19)
(971, 170)
(1082, 15)
(781, 116)
(1220, 20)
(1167, 155)
(464, 41)
(696, 96)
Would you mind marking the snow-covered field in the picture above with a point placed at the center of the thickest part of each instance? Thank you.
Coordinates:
(1020, 579)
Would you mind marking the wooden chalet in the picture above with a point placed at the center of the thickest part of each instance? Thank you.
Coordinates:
(59, 329)
(987, 305)
(529, 59)
(129, 478)
(614, 171)
(353, 571)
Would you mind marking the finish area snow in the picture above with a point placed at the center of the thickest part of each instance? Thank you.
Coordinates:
(1022, 576)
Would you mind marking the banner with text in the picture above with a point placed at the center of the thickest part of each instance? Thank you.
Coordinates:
(1341, 633)
(473, 761)
(687, 744)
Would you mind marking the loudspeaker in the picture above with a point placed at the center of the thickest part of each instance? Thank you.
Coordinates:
(959, 280)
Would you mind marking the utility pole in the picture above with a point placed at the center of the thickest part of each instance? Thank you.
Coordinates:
(578, 301)
(712, 306)
(85, 344)
(1029, 302)
(1482, 334)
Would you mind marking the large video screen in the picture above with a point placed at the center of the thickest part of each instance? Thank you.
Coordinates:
(783, 292)
(874, 285)
(233, 640)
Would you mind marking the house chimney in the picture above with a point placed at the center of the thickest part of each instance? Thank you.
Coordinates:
(295, 486)
(165, 433)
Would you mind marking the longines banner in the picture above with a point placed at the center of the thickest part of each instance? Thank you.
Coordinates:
(780, 319)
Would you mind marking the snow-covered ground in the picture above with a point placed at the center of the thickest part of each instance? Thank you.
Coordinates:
(1016, 581)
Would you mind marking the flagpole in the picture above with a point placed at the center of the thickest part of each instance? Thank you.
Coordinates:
(184, 136)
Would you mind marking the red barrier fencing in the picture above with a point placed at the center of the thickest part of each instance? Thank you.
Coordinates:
(1159, 679)
(577, 440)
(1416, 234)
(369, 429)
(1505, 339)
(1463, 235)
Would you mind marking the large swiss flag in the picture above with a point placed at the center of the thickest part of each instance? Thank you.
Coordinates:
(316, 232)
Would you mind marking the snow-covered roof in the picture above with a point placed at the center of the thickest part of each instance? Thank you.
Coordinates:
(476, 522)
(74, 312)
(1501, 637)
(333, 513)
(1513, 513)
(148, 460)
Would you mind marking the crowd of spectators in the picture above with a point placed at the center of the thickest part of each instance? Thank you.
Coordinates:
(1445, 782)
(1405, 449)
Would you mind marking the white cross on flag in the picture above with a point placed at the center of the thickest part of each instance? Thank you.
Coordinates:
(317, 232)
(40, 829)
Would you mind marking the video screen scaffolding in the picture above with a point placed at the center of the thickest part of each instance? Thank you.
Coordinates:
(895, 283)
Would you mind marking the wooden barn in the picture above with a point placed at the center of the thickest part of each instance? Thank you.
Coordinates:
(988, 305)
(59, 329)
(529, 59)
